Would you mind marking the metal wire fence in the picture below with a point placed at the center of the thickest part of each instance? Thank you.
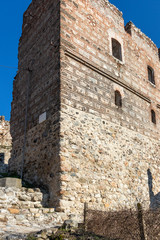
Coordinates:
(127, 224)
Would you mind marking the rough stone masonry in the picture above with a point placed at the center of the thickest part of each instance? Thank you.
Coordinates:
(5, 141)
(85, 113)
(24, 210)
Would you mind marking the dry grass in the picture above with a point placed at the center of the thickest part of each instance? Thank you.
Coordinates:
(125, 224)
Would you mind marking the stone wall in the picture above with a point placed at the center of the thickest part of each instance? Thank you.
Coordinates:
(36, 98)
(77, 142)
(38, 67)
(41, 164)
(106, 164)
(109, 154)
(5, 141)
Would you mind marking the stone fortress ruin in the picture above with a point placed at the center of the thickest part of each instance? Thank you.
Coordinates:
(5, 141)
(85, 116)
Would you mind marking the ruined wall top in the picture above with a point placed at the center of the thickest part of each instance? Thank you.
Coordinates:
(104, 5)
(4, 123)
(2, 119)
(140, 38)
(5, 140)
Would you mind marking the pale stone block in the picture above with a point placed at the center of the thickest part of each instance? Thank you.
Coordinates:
(42, 117)
(34, 210)
(11, 182)
(46, 210)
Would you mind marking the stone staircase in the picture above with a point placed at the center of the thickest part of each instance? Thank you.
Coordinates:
(24, 210)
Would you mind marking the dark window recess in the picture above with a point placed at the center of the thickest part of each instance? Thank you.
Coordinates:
(1, 157)
(151, 75)
(116, 49)
(118, 99)
(153, 116)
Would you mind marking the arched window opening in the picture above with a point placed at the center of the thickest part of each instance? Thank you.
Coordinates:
(116, 49)
(151, 75)
(153, 116)
(118, 99)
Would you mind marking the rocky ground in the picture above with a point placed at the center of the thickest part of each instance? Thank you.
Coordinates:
(55, 233)
(63, 234)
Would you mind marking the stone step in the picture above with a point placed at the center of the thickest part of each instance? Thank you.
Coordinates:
(25, 210)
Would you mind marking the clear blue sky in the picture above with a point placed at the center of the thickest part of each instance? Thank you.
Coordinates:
(11, 16)
(143, 13)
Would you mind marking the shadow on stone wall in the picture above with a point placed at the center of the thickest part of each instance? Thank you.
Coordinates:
(154, 198)
(3, 168)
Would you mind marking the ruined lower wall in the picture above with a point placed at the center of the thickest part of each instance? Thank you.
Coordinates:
(26, 210)
(106, 165)
(5, 141)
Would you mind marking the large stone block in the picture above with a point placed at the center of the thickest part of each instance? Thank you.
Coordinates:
(11, 182)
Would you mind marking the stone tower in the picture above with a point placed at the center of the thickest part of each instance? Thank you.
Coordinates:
(85, 115)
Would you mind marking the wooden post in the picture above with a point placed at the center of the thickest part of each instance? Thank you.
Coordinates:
(85, 214)
(140, 221)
